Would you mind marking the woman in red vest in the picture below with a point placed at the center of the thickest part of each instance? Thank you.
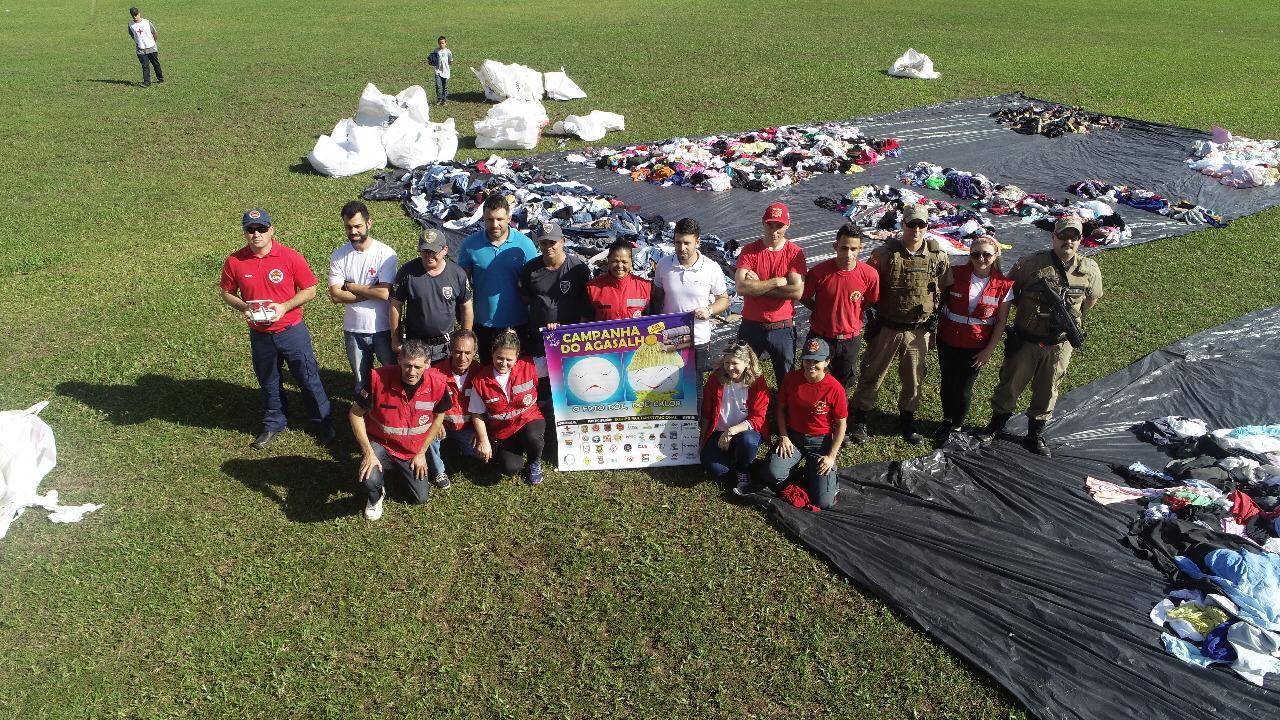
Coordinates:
(735, 408)
(972, 323)
(503, 402)
(616, 294)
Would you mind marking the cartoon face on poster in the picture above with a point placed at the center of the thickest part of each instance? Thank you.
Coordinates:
(633, 376)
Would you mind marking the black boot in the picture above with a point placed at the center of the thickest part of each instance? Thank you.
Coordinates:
(1035, 438)
(908, 425)
(858, 434)
(994, 428)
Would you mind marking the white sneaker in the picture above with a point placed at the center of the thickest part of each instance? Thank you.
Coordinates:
(373, 510)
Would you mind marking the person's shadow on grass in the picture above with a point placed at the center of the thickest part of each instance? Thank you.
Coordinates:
(307, 489)
(113, 82)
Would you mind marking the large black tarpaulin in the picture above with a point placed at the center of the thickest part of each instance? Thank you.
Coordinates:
(1003, 556)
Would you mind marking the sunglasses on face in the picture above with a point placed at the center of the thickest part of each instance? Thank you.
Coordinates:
(983, 255)
(256, 229)
(917, 224)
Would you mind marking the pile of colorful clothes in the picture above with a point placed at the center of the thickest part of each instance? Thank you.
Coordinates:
(1053, 120)
(1211, 522)
(877, 210)
(1237, 161)
(760, 160)
(1183, 210)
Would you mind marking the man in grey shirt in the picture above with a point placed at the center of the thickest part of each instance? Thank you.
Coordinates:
(437, 295)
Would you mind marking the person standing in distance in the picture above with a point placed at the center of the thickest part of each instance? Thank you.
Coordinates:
(494, 258)
(691, 282)
(835, 291)
(770, 277)
(361, 273)
(431, 295)
(914, 273)
(144, 35)
(441, 59)
(1036, 347)
(269, 283)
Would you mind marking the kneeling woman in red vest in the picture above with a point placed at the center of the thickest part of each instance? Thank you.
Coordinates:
(503, 402)
(972, 322)
(735, 408)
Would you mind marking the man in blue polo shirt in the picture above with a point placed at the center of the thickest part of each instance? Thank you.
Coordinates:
(494, 258)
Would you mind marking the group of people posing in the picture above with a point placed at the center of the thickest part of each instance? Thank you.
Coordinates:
(460, 348)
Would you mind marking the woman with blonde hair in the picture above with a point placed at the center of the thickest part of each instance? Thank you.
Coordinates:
(972, 322)
(735, 408)
(503, 403)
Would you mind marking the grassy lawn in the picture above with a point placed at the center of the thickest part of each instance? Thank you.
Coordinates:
(219, 581)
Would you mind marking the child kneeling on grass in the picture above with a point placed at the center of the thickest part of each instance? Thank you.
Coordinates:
(812, 408)
(735, 408)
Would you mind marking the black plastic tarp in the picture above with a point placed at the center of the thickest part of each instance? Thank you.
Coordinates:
(1003, 556)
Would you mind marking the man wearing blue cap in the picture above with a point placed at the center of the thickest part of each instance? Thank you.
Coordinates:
(269, 283)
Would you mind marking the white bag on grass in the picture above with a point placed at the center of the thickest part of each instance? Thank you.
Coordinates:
(512, 125)
(914, 65)
(377, 108)
(560, 87)
(410, 143)
(27, 454)
(349, 149)
(590, 127)
(506, 82)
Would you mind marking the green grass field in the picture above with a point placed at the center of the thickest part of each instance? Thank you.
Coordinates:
(223, 582)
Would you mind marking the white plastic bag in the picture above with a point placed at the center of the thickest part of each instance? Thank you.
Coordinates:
(590, 127)
(376, 108)
(410, 143)
(27, 454)
(349, 149)
(914, 65)
(507, 82)
(560, 87)
(512, 124)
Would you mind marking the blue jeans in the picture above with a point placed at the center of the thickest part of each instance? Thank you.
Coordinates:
(821, 488)
(362, 348)
(375, 484)
(442, 89)
(702, 365)
(779, 344)
(737, 459)
(463, 439)
(291, 346)
(150, 60)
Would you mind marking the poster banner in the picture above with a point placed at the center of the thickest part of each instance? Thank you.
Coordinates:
(624, 393)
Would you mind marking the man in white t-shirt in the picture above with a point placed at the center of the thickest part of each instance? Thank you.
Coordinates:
(691, 282)
(361, 274)
(441, 59)
(144, 34)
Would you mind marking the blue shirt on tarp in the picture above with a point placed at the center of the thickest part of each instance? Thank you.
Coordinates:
(495, 274)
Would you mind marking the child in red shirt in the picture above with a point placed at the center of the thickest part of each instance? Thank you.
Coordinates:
(812, 407)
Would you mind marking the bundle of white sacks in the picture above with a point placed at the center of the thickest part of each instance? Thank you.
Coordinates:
(391, 129)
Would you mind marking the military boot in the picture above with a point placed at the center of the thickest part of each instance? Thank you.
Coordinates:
(907, 423)
(994, 428)
(1035, 438)
(857, 434)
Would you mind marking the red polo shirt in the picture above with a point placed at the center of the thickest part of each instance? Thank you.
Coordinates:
(812, 408)
(838, 297)
(614, 299)
(276, 276)
(766, 263)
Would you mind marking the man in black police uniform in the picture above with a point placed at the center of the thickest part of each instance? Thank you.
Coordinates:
(555, 287)
(431, 295)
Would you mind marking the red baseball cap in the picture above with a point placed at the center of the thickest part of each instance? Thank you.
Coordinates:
(777, 213)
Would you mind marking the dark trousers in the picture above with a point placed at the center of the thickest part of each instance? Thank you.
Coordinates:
(525, 444)
(485, 336)
(778, 344)
(737, 459)
(292, 347)
(442, 89)
(844, 360)
(955, 365)
(375, 485)
(702, 365)
(808, 448)
(154, 59)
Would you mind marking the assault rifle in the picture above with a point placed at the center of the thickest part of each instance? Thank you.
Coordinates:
(1061, 313)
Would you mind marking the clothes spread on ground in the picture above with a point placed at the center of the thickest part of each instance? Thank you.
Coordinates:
(1053, 121)
(1238, 162)
(764, 159)
(878, 211)
(1182, 210)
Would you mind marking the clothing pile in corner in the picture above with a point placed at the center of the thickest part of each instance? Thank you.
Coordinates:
(761, 160)
(1211, 522)
(877, 210)
(1053, 121)
(451, 196)
(1238, 162)
(1182, 211)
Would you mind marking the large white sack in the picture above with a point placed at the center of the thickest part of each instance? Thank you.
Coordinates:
(410, 143)
(560, 87)
(377, 108)
(506, 82)
(914, 65)
(27, 454)
(349, 149)
(512, 125)
(590, 127)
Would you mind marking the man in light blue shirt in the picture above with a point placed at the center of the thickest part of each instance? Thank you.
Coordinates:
(494, 257)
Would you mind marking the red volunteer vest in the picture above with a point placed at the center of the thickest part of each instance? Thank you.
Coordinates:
(506, 414)
(958, 327)
(455, 418)
(395, 421)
